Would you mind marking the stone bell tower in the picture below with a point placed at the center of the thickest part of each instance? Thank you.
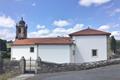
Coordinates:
(21, 30)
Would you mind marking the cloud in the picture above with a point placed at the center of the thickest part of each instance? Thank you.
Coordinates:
(33, 4)
(7, 25)
(77, 27)
(61, 23)
(6, 21)
(104, 27)
(40, 26)
(114, 11)
(42, 31)
(39, 33)
(116, 34)
(64, 32)
(117, 10)
(109, 6)
(48, 33)
(59, 31)
(88, 3)
(7, 34)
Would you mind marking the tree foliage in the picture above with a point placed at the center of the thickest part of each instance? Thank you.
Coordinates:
(113, 44)
(3, 49)
(3, 46)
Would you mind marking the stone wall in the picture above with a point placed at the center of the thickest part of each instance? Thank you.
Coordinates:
(6, 65)
(9, 65)
(53, 67)
(46, 67)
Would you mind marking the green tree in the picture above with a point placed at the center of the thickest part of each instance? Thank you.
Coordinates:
(3, 48)
(113, 44)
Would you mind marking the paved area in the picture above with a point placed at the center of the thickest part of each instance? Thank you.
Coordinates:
(104, 73)
(22, 77)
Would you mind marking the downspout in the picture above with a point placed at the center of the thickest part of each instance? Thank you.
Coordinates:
(37, 51)
(74, 52)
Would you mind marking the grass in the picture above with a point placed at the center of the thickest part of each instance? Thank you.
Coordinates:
(7, 75)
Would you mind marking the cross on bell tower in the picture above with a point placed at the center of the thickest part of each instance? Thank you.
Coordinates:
(21, 29)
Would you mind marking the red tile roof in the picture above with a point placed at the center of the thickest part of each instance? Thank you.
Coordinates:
(44, 41)
(89, 31)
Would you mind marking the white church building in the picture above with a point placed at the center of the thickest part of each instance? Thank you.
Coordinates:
(86, 45)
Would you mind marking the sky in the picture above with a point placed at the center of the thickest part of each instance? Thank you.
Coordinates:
(51, 18)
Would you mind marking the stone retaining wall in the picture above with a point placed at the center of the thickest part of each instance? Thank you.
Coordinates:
(6, 66)
(53, 67)
(9, 65)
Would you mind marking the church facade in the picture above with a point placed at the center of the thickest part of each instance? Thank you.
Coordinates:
(86, 45)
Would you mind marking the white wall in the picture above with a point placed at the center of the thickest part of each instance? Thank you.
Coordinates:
(84, 45)
(18, 51)
(55, 53)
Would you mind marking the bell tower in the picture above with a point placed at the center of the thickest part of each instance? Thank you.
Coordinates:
(21, 29)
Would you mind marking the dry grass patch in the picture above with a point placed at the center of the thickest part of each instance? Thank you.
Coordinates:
(7, 75)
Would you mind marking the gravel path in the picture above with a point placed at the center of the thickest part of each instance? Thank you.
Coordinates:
(104, 73)
(22, 77)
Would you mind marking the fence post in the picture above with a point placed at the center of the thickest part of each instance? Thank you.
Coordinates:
(22, 65)
(38, 65)
(1, 63)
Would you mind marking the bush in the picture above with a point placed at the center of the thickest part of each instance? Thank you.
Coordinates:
(7, 75)
(6, 55)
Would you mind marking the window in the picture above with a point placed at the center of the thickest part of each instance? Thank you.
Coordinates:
(31, 49)
(94, 52)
